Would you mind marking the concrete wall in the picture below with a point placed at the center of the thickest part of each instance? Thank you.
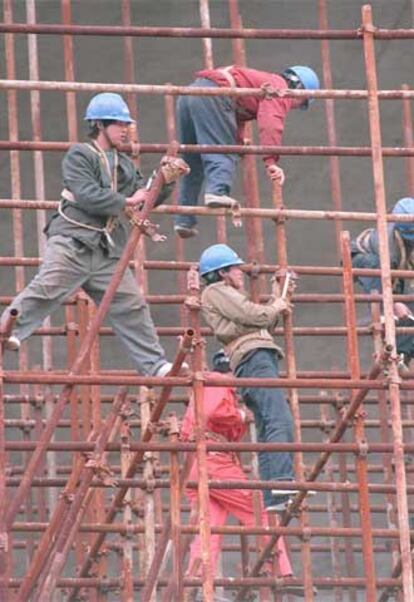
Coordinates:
(175, 60)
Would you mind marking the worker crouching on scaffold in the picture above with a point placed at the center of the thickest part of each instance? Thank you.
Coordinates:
(245, 328)
(224, 420)
(220, 120)
(365, 254)
(87, 235)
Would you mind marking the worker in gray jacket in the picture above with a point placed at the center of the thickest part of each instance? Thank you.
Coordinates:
(365, 254)
(87, 235)
(244, 328)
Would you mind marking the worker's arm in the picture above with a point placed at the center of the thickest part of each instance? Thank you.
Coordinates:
(373, 283)
(271, 116)
(235, 306)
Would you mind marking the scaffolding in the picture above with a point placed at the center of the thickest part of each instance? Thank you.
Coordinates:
(92, 471)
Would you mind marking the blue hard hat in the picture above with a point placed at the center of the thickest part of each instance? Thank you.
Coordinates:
(108, 106)
(405, 206)
(217, 257)
(308, 79)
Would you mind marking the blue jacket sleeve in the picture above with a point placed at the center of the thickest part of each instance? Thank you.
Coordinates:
(367, 261)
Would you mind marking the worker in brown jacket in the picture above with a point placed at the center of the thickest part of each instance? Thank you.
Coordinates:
(245, 328)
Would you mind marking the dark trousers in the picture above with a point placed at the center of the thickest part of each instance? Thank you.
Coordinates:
(272, 414)
(405, 342)
(205, 120)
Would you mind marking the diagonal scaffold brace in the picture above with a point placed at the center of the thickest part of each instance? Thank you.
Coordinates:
(183, 349)
(56, 541)
(337, 434)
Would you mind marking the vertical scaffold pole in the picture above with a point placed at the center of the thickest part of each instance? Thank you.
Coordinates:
(379, 188)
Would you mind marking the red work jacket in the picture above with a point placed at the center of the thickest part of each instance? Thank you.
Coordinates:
(221, 414)
(270, 113)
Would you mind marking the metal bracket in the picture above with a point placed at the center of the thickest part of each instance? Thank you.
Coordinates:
(236, 216)
(255, 270)
(4, 541)
(363, 448)
(306, 534)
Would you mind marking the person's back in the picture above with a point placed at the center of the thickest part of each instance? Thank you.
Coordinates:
(366, 255)
(221, 415)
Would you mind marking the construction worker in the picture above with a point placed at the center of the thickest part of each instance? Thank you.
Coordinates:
(217, 120)
(365, 254)
(244, 328)
(87, 235)
(224, 420)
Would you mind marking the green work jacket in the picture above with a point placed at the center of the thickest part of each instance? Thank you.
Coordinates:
(94, 200)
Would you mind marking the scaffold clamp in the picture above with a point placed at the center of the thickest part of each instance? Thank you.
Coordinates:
(280, 218)
(270, 92)
(173, 424)
(236, 216)
(363, 448)
(367, 28)
(255, 270)
(4, 542)
(192, 302)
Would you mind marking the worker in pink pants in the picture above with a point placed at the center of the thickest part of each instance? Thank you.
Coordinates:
(225, 420)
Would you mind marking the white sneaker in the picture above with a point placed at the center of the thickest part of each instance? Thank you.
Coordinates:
(215, 201)
(12, 344)
(185, 231)
(310, 492)
(166, 369)
(280, 506)
(286, 497)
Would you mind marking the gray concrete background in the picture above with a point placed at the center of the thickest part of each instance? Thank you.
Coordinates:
(307, 186)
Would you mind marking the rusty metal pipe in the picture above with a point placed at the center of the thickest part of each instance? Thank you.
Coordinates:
(183, 348)
(64, 397)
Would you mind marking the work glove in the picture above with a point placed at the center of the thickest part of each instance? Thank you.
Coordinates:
(276, 174)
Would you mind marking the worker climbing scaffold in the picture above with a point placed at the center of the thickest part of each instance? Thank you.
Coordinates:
(244, 328)
(365, 254)
(220, 120)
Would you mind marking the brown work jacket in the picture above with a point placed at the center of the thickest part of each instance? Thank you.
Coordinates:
(239, 324)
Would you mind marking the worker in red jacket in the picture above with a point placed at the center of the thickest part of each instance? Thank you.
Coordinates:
(225, 420)
(220, 120)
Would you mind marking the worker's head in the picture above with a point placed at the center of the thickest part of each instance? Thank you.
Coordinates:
(405, 206)
(300, 77)
(108, 115)
(220, 262)
(221, 362)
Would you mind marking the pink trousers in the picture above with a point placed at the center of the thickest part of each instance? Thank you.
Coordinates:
(238, 502)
